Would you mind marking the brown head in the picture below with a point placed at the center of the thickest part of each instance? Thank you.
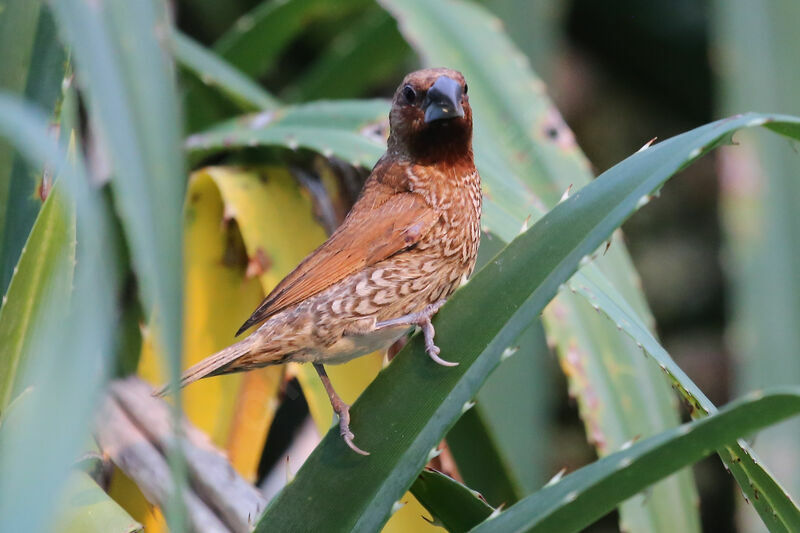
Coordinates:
(431, 120)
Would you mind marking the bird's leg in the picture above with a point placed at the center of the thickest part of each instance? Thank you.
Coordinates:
(423, 320)
(340, 408)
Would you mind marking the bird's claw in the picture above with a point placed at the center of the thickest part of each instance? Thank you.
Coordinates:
(433, 353)
(423, 320)
(343, 410)
(348, 437)
(431, 348)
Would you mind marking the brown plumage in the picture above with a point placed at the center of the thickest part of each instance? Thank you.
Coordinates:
(406, 245)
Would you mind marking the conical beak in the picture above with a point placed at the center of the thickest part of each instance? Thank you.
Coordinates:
(443, 100)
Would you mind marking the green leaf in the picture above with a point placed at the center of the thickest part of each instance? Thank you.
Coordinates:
(452, 504)
(134, 107)
(520, 391)
(38, 295)
(253, 45)
(368, 52)
(481, 461)
(216, 72)
(18, 23)
(492, 454)
(540, 34)
(770, 500)
(759, 194)
(256, 39)
(773, 504)
(85, 508)
(33, 64)
(351, 130)
(614, 308)
(582, 497)
(132, 98)
(408, 408)
(73, 351)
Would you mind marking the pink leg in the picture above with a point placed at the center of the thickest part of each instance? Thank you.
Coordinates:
(423, 320)
(340, 408)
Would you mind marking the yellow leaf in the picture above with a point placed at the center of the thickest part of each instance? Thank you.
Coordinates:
(252, 416)
(125, 492)
(245, 229)
(276, 220)
(410, 518)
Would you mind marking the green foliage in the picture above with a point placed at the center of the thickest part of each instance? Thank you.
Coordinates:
(214, 72)
(423, 402)
(64, 318)
(582, 497)
(367, 53)
(256, 39)
(350, 130)
(453, 505)
(87, 509)
(760, 191)
(38, 296)
(134, 103)
(74, 350)
(32, 63)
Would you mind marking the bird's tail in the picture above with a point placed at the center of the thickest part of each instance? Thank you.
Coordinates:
(213, 365)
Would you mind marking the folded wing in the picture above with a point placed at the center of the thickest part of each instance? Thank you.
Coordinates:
(382, 223)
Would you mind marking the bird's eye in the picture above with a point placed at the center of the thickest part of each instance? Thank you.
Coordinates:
(466, 88)
(409, 94)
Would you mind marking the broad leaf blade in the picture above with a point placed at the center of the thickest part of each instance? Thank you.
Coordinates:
(351, 130)
(18, 22)
(85, 508)
(580, 498)
(73, 352)
(132, 97)
(452, 504)
(493, 456)
(256, 39)
(39, 294)
(218, 296)
(481, 461)
(366, 54)
(759, 194)
(134, 108)
(410, 405)
(32, 64)
(214, 71)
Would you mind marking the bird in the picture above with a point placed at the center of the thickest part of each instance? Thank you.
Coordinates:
(409, 241)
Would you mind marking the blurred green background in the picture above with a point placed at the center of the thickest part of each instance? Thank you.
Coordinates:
(622, 72)
(717, 254)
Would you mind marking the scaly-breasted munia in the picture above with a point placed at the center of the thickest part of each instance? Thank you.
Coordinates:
(406, 245)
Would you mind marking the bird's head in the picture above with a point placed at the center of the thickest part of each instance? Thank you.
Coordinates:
(431, 120)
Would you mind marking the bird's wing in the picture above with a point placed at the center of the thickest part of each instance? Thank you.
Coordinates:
(380, 225)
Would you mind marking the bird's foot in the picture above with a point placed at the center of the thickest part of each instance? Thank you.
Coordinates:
(341, 409)
(431, 348)
(423, 320)
(344, 428)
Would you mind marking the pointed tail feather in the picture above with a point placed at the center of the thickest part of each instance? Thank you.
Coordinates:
(212, 365)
